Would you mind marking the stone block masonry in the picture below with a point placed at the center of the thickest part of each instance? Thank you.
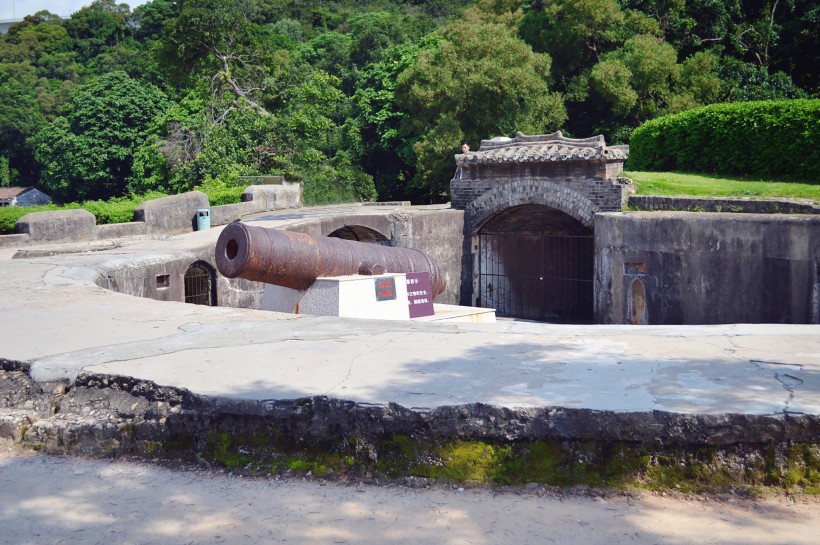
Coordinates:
(576, 176)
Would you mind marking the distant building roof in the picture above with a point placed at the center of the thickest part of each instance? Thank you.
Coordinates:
(11, 192)
(542, 148)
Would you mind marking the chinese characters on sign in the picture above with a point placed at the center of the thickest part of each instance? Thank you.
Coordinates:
(385, 288)
(419, 294)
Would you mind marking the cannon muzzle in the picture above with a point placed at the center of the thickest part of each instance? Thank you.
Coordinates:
(296, 260)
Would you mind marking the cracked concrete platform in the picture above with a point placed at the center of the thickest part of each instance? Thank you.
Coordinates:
(55, 318)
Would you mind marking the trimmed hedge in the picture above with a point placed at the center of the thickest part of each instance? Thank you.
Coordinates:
(766, 138)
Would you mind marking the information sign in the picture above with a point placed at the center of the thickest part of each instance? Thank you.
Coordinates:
(385, 288)
(420, 294)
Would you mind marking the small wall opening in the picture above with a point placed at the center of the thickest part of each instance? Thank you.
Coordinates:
(199, 284)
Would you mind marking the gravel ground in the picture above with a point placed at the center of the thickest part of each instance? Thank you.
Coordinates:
(45, 499)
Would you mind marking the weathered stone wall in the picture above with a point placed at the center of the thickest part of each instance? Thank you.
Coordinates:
(166, 216)
(109, 416)
(172, 215)
(138, 276)
(702, 204)
(120, 230)
(58, 226)
(274, 196)
(706, 268)
(440, 233)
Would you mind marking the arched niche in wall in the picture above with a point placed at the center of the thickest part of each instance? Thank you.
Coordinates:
(360, 233)
(200, 287)
(636, 303)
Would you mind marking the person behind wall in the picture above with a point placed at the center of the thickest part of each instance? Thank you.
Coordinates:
(465, 148)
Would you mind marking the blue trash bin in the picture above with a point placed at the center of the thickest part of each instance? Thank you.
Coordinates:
(203, 219)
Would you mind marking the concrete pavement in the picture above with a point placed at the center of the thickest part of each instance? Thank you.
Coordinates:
(54, 316)
(59, 322)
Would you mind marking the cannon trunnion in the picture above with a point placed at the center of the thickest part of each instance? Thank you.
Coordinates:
(296, 260)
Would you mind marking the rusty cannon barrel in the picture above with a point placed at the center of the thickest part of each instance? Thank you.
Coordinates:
(296, 260)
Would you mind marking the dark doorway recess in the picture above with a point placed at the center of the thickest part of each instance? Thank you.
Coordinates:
(199, 284)
(536, 263)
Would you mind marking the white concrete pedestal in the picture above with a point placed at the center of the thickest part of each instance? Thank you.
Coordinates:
(346, 296)
(355, 297)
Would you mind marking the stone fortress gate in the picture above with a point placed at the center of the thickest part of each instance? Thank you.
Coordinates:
(529, 204)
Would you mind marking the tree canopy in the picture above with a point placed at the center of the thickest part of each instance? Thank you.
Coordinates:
(361, 99)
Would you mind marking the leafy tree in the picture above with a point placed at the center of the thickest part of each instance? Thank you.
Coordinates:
(5, 173)
(290, 28)
(216, 40)
(39, 34)
(20, 117)
(329, 52)
(480, 80)
(743, 82)
(387, 152)
(643, 79)
(577, 32)
(152, 18)
(98, 26)
(88, 152)
(372, 33)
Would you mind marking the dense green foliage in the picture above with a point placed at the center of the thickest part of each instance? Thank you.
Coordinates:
(762, 138)
(361, 99)
(87, 152)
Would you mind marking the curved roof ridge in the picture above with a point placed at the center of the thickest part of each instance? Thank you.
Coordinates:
(543, 147)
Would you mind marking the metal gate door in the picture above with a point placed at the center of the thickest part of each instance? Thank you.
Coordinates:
(537, 276)
(198, 285)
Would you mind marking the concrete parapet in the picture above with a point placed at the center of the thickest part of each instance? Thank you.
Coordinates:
(711, 204)
(171, 215)
(274, 197)
(226, 213)
(58, 225)
(119, 230)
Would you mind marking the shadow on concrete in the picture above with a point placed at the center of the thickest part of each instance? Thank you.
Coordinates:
(568, 375)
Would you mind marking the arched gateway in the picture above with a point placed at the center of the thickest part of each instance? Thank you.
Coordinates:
(529, 206)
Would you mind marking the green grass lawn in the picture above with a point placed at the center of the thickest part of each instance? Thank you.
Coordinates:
(674, 184)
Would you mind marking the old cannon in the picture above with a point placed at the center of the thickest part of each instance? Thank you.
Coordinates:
(296, 260)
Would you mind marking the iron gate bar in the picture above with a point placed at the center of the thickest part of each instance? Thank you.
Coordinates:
(198, 286)
(556, 287)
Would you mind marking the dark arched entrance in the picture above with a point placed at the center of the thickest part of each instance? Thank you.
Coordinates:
(536, 262)
(199, 284)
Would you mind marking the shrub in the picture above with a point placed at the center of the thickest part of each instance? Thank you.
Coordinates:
(220, 192)
(10, 214)
(766, 138)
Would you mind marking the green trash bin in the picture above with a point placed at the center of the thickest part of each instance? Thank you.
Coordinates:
(203, 219)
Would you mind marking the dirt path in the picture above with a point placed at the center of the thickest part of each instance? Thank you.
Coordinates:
(65, 500)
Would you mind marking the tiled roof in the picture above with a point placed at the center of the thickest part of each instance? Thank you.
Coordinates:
(11, 192)
(542, 148)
